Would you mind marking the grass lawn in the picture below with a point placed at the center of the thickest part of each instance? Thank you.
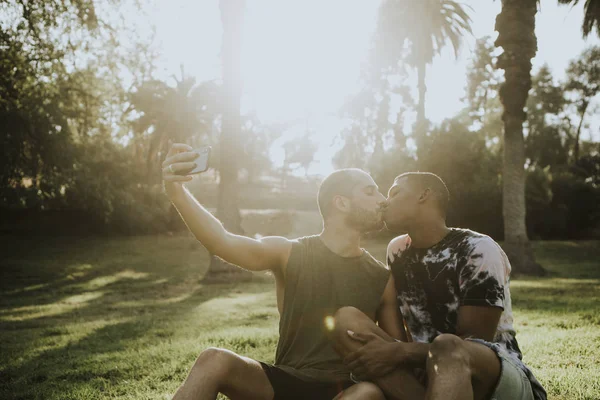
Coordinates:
(105, 318)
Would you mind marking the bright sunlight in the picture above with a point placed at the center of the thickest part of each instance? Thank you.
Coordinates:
(192, 188)
(302, 60)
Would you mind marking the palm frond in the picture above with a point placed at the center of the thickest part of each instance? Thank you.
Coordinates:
(591, 15)
(428, 25)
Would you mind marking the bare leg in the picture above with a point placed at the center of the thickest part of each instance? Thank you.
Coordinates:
(456, 369)
(222, 371)
(361, 391)
(459, 369)
(401, 384)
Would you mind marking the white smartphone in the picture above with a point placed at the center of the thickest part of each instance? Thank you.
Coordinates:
(201, 160)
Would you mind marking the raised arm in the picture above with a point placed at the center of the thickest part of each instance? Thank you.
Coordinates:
(268, 253)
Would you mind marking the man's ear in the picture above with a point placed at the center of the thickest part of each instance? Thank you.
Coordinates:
(425, 194)
(342, 203)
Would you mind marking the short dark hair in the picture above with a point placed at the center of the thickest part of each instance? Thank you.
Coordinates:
(340, 182)
(429, 180)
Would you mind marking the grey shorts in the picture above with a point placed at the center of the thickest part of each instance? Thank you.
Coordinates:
(513, 383)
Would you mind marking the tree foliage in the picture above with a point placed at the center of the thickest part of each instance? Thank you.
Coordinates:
(466, 151)
(583, 82)
(415, 32)
(591, 15)
(86, 123)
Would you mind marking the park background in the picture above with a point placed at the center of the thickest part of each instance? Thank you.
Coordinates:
(104, 293)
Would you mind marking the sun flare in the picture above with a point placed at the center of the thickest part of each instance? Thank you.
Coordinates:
(303, 58)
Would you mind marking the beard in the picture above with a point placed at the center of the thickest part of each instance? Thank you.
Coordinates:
(364, 220)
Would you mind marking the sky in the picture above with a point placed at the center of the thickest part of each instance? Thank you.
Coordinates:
(301, 60)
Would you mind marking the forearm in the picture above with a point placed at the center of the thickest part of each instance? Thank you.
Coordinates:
(412, 354)
(205, 227)
(396, 330)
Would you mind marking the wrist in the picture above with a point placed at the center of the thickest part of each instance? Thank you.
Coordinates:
(415, 353)
(399, 350)
(175, 191)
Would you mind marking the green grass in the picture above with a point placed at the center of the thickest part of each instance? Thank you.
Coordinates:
(99, 318)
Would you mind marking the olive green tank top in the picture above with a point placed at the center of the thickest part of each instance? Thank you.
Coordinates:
(317, 283)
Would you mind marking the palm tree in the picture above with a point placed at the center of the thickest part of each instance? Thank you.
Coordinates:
(583, 78)
(427, 26)
(232, 13)
(182, 113)
(232, 16)
(516, 35)
(591, 15)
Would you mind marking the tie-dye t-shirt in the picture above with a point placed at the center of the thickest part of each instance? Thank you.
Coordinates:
(465, 268)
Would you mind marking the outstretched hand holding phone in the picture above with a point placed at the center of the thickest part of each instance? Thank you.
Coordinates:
(255, 255)
(181, 163)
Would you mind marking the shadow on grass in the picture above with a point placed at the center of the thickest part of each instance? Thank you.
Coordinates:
(570, 259)
(54, 324)
(74, 312)
(556, 295)
(76, 366)
(37, 269)
(569, 297)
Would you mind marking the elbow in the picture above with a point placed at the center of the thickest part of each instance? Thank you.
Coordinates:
(216, 243)
(220, 245)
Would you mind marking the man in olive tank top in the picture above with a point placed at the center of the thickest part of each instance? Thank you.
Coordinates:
(314, 277)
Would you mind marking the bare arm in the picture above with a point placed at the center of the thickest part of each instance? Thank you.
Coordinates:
(255, 255)
(472, 321)
(389, 317)
(476, 322)
(379, 356)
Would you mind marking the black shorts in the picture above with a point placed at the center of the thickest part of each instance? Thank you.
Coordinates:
(288, 387)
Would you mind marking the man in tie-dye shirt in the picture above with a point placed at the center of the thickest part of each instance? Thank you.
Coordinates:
(453, 294)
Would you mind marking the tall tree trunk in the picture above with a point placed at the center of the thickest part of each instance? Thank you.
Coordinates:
(376, 159)
(516, 28)
(577, 137)
(232, 16)
(421, 121)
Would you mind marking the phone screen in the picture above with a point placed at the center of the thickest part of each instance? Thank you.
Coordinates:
(202, 160)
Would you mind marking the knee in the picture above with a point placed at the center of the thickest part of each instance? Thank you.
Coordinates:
(447, 346)
(369, 391)
(344, 319)
(218, 361)
(447, 349)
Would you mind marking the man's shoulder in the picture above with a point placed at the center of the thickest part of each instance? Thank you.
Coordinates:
(481, 243)
(474, 241)
(396, 246)
(304, 240)
(482, 249)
